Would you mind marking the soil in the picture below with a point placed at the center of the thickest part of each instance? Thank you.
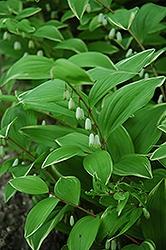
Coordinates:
(12, 218)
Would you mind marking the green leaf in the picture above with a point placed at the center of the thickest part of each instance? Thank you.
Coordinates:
(102, 47)
(5, 166)
(147, 21)
(122, 203)
(125, 102)
(61, 154)
(83, 233)
(114, 225)
(152, 228)
(159, 153)
(146, 245)
(68, 189)
(133, 164)
(29, 185)
(108, 81)
(38, 215)
(100, 164)
(75, 139)
(36, 239)
(30, 67)
(9, 192)
(49, 32)
(45, 135)
(58, 111)
(92, 59)
(28, 12)
(13, 119)
(162, 127)
(142, 127)
(15, 6)
(74, 44)
(122, 18)
(94, 24)
(65, 70)
(25, 25)
(78, 9)
(120, 143)
(136, 62)
(20, 170)
(49, 91)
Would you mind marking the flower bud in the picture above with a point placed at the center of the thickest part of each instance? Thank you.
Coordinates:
(91, 139)
(97, 142)
(146, 213)
(43, 123)
(6, 36)
(79, 113)
(15, 163)
(1, 151)
(119, 37)
(17, 45)
(40, 52)
(107, 244)
(31, 44)
(160, 99)
(53, 14)
(113, 245)
(129, 53)
(141, 73)
(111, 34)
(25, 54)
(100, 18)
(104, 21)
(146, 76)
(88, 124)
(48, 8)
(88, 8)
(66, 95)
(71, 104)
(71, 220)
(82, 114)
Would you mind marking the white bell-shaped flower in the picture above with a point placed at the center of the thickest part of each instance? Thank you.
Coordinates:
(97, 142)
(111, 34)
(71, 104)
(71, 221)
(88, 124)
(6, 36)
(119, 37)
(146, 76)
(104, 21)
(79, 113)
(129, 52)
(100, 18)
(40, 53)
(31, 44)
(91, 139)
(66, 94)
(17, 45)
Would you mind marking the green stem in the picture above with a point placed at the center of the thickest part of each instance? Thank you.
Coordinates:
(76, 206)
(108, 8)
(136, 39)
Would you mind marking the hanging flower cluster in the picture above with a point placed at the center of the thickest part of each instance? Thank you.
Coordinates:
(94, 139)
